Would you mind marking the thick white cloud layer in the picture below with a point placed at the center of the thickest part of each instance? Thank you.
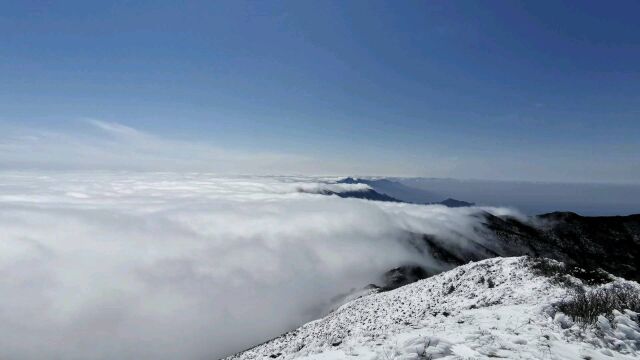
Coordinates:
(186, 266)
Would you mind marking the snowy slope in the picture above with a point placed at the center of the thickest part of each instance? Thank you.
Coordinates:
(495, 308)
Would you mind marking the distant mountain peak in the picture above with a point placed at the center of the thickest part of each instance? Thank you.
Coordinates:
(456, 203)
(348, 180)
(364, 194)
(398, 192)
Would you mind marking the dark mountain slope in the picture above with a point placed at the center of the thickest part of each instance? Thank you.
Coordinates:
(611, 243)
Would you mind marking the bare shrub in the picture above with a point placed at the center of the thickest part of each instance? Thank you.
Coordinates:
(450, 289)
(586, 306)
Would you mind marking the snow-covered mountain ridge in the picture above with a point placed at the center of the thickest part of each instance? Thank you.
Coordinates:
(495, 308)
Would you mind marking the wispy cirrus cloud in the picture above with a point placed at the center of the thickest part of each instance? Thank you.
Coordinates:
(93, 144)
(103, 145)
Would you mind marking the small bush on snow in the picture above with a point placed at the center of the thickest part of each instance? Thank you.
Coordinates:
(586, 306)
(450, 289)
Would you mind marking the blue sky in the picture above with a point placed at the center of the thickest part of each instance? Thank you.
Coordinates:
(496, 90)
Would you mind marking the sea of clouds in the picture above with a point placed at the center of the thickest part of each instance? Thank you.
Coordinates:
(125, 265)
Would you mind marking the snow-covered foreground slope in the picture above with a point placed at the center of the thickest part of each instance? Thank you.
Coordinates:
(495, 308)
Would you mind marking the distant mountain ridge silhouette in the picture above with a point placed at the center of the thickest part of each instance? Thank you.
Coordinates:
(388, 190)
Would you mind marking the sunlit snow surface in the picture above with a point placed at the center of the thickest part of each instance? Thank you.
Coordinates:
(495, 308)
(187, 266)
